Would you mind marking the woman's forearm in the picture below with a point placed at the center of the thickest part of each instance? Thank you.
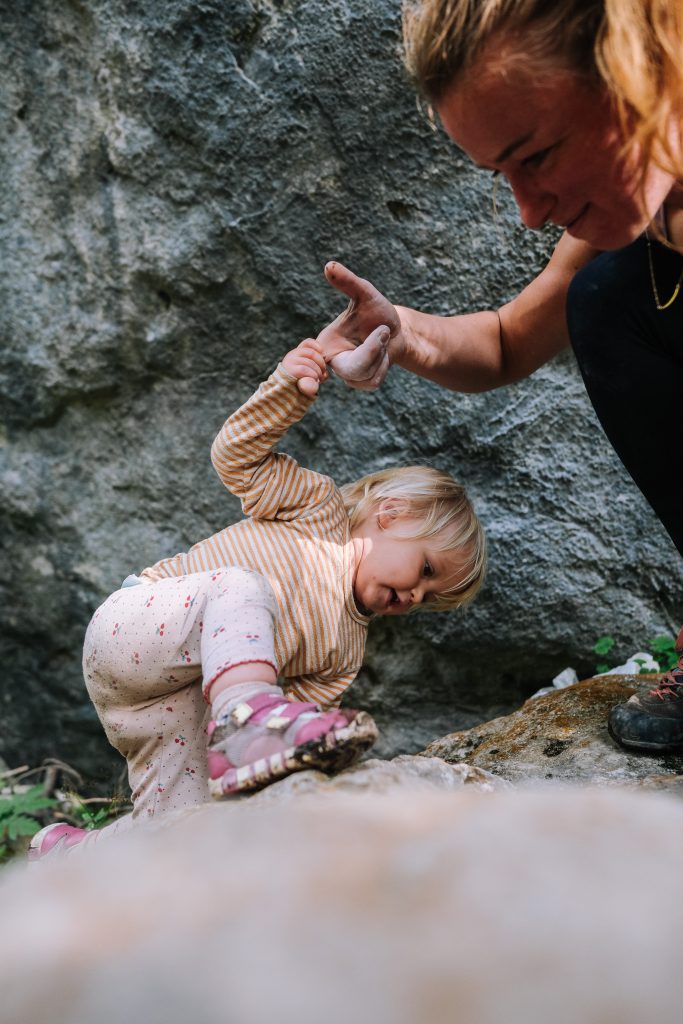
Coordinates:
(481, 351)
(463, 353)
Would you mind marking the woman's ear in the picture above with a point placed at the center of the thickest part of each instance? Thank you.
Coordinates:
(389, 510)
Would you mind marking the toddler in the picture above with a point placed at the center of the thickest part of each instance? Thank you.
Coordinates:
(253, 635)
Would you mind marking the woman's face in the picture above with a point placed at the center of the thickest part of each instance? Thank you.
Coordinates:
(557, 141)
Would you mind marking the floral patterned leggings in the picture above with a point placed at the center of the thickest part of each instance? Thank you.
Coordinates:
(150, 655)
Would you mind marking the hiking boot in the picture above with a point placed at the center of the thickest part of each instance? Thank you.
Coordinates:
(653, 720)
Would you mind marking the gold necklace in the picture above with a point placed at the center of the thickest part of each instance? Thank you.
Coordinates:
(658, 303)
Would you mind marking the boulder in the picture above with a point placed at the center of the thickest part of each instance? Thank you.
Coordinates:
(563, 735)
(433, 902)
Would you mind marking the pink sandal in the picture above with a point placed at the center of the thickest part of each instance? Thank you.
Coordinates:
(55, 839)
(268, 737)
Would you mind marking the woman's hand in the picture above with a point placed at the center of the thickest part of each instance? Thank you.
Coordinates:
(360, 342)
(306, 362)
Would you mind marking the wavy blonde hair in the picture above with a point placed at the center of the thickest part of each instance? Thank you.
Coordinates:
(441, 509)
(634, 47)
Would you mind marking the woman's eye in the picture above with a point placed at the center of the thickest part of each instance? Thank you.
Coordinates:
(428, 570)
(536, 159)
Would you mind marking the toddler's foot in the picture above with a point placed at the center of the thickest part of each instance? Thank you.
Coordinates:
(55, 839)
(262, 739)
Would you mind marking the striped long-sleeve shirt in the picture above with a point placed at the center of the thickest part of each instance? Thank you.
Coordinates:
(296, 534)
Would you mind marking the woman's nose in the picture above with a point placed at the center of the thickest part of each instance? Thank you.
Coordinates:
(534, 202)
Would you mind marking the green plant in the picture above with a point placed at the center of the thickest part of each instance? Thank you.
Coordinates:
(20, 813)
(81, 814)
(663, 648)
(602, 646)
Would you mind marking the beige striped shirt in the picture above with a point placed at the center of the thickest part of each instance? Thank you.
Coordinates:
(296, 535)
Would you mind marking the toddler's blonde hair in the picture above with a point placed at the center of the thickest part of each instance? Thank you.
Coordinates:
(442, 510)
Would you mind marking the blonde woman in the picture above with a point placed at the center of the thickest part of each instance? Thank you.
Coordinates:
(579, 104)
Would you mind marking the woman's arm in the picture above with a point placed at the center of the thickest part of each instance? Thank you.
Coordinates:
(472, 352)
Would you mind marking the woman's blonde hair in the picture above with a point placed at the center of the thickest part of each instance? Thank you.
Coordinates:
(441, 509)
(634, 47)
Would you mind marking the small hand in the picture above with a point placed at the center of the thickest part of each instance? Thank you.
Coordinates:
(307, 363)
(367, 312)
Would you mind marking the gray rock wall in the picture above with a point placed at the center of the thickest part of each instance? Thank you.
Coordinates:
(174, 178)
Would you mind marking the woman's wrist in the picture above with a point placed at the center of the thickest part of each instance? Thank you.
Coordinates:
(405, 344)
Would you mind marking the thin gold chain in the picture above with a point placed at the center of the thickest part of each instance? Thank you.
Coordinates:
(658, 303)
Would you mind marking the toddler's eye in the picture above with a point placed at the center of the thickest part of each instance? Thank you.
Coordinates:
(427, 570)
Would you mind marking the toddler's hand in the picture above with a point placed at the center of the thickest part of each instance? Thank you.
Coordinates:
(307, 363)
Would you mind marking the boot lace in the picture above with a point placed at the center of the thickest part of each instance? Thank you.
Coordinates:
(670, 686)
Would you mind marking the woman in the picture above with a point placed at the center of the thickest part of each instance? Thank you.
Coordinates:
(579, 103)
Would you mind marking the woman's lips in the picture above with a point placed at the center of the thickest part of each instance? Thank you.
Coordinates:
(575, 221)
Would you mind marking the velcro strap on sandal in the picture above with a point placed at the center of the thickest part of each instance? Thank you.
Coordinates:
(278, 719)
(271, 710)
(241, 714)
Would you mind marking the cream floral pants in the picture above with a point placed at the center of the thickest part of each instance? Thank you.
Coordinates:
(151, 652)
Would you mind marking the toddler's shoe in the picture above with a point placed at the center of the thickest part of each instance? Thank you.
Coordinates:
(266, 737)
(653, 720)
(55, 839)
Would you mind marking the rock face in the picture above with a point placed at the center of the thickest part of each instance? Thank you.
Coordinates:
(174, 178)
(374, 777)
(431, 904)
(563, 736)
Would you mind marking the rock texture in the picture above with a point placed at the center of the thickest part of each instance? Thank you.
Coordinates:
(412, 905)
(563, 736)
(174, 177)
(374, 777)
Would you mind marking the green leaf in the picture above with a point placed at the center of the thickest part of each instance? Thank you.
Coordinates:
(662, 643)
(26, 803)
(599, 669)
(604, 645)
(665, 648)
(20, 825)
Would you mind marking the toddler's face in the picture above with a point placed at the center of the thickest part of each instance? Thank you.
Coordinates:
(395, 570)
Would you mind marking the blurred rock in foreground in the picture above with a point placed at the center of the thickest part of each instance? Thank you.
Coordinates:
(563, 735)
(425, 903)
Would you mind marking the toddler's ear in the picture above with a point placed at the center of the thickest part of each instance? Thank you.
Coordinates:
(389, 510)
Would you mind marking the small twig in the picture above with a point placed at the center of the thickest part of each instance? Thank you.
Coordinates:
(50, 780)
(28, 772)
(13, 771)
(64, 768)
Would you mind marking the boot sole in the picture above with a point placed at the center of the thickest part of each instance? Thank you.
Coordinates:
(330, 753)
(665, 748)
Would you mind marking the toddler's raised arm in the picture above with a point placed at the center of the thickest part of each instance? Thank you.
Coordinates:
(272, 485)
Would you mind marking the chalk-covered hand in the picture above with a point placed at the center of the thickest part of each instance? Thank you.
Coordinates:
(360, 343)
(307, 363)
